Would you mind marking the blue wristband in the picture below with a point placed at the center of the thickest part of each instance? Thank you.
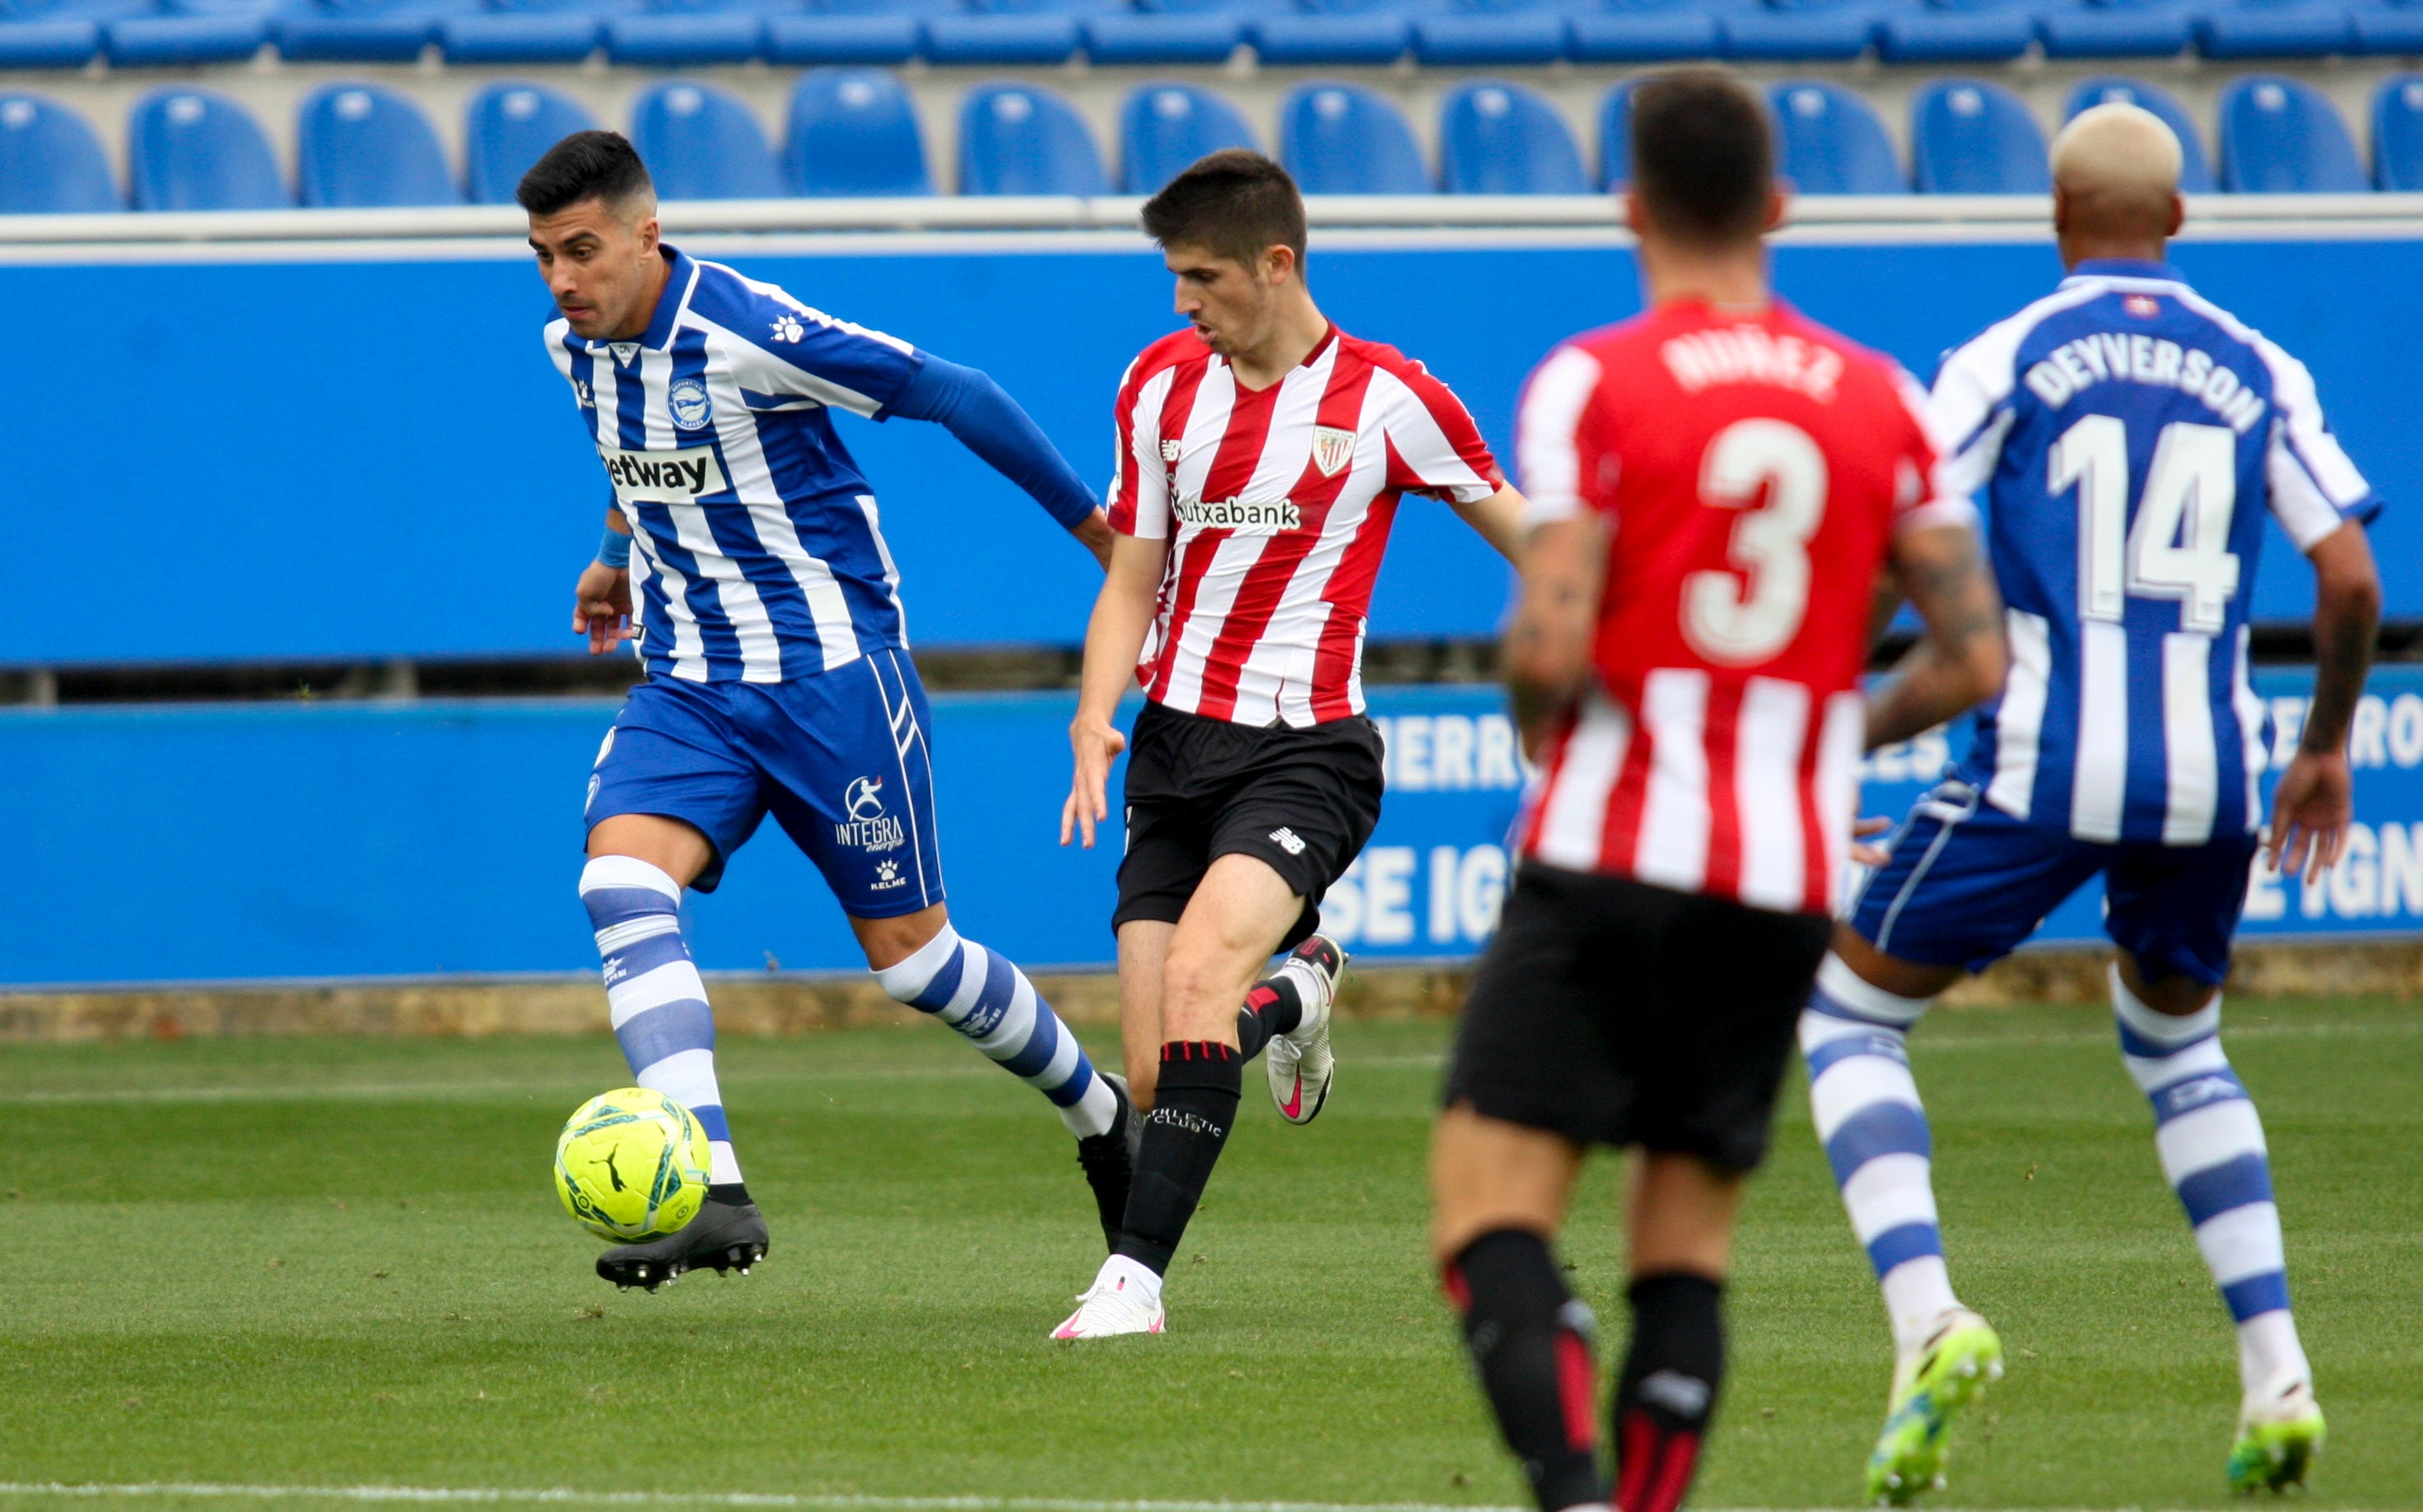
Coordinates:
(615, 550)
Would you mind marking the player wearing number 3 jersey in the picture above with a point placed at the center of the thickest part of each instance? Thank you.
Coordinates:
(1714, 488)
(2130, 436)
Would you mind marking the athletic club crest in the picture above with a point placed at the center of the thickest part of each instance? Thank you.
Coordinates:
(1332, 448)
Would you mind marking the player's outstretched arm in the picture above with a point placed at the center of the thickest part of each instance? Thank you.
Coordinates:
(1499, 520)
(1113, 638)
(1960, 659)
(2315, 799)
(601, 601)
(1547, 654)
(990, 423)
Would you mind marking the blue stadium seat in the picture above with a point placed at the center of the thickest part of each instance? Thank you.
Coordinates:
(2280, 136)
(2397, 134)
(2274, 28)
(1615, 135)
(50, 161)
(49, 44)
(1017, 139)
(1971, 137)
(184, 41)
(363, 145)
(193, 149)
(1128, 37)
(700, 143)
(2195, 170)
(1959, 31)
(1164, 127)
(835, 36)
(1011, 32)
(1646, 31)
(1331, 38)
(528, 31)
(671, 37)
(509, 127)
(1829, 141)
(1494, 34)
(2118, 28)
(1503, 139)
(363, 31)
(1343, 139)
(1797, 31)
(854, 131)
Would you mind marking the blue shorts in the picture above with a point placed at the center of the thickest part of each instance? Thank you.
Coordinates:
(1965, 884)
(839, 759)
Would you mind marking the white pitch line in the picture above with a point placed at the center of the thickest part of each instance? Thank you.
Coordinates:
(806, 1503)
(732, 1499)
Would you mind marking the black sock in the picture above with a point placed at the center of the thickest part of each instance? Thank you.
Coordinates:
(733, 1192)
(1669, 1388)
(1274, 1007)
(1193, 1110)
(1531, 1344)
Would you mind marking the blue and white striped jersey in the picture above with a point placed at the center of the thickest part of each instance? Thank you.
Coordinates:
(755, 553)
(2128, 437)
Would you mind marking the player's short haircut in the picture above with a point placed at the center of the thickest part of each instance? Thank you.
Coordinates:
(600, 166)
(1702, 156)
(1234, 204)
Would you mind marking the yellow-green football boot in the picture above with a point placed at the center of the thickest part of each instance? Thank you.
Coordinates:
(1931, 1384)
(2277, 1440)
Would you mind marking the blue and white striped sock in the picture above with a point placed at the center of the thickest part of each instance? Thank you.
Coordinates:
(654, 993)
(979, 993)
(1870, 1119)
(2213, 1151)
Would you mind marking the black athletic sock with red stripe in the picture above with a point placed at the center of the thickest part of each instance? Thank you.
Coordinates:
(1668, 1391)
(1193, 1107)
(1272, 1008)
(1531, 1345)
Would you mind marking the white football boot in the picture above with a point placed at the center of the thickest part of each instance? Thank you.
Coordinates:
(1300, 1064)
(1125, 1298)
(2279, 1432)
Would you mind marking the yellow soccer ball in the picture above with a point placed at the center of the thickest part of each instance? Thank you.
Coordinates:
(631, 1165)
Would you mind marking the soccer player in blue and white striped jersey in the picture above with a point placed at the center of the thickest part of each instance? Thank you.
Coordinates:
(2128, 437)
(769, 616)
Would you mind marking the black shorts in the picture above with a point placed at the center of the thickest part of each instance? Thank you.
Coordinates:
(1616, 1013)
(1303, 800)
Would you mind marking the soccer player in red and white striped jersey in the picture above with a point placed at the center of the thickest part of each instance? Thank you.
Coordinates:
(1716, 488)
(1262, 454)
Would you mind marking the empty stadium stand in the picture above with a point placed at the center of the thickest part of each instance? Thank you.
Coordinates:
(509, 127)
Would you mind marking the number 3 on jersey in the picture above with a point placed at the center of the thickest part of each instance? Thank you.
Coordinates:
(1738, 618)
(2178, 547)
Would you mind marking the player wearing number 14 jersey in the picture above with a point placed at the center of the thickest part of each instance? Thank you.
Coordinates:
(2130, 436)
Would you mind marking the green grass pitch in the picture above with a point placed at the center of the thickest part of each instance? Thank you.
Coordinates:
(328, 1263)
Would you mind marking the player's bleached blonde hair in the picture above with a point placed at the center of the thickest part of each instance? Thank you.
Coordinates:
(2120, 154)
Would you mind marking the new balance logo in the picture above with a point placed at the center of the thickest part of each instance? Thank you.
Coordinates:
(1171, 450)
(1686, 1397)
(1288, 841)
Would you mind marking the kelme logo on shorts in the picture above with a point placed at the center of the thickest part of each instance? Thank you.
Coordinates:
(663, 476)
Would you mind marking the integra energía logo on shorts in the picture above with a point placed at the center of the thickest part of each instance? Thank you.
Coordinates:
(866, 826)
(677, 476)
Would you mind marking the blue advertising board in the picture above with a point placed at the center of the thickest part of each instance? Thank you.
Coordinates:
(235, 461)
(278, 842)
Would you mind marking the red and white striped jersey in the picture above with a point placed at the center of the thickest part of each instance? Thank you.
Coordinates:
(1752, 468)
(1277, 505)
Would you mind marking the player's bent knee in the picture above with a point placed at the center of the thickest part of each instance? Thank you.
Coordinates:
(1903, 978)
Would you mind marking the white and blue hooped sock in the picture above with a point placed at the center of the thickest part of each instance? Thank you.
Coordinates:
(1874, 1128)
(2213, 1151)
(654, 993)
(979, 993)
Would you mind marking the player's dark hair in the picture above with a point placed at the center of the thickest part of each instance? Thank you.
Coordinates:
(600, 166)
(1232, 204)
(1702, 156)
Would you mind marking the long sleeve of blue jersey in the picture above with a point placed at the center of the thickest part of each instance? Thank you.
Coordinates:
(990, 423)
